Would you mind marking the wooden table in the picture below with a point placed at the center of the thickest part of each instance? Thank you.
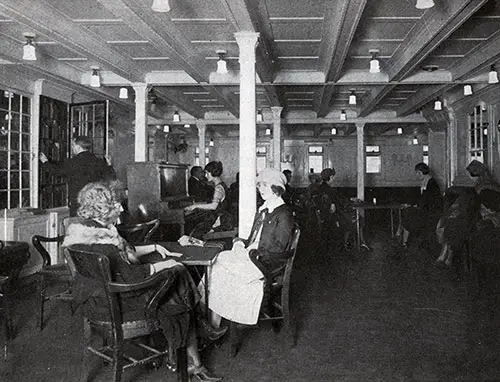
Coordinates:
(195, 255)
(367, 206)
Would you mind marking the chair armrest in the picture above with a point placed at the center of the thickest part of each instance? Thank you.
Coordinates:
(37, 241)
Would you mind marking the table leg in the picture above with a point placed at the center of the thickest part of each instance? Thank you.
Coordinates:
(207, 311)
(358, 229)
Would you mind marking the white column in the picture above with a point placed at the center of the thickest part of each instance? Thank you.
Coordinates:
(360, 134)
(35, 139)
(247, 41)
(141, 132)
(277, 136)
(202, 128)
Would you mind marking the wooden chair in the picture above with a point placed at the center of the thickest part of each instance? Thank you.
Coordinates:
(276, 302)
(123, 336)
(58, 274)
(139, 233)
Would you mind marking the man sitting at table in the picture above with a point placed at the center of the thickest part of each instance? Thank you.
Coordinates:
(99, 208)
(198, 186)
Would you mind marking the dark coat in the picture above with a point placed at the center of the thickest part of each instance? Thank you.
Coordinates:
(199, 190)
(277, 229)
(80, 170)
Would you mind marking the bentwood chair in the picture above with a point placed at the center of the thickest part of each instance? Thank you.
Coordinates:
(276, 302)
(139, 233)
(56, 275)
(124, 333)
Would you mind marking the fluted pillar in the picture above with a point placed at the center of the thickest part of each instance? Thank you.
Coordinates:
(202, 128)
(360, 135)
(141, 132)
(247, 41)
(35, 139)
(277, 136)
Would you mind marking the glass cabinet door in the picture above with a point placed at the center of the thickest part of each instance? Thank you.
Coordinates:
(91, 119)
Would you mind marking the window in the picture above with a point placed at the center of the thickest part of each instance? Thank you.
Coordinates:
(478, 138)
(15, 150)
(425, 158)
(197, 156)
(261, 158)
(373, 160)
(315, 159)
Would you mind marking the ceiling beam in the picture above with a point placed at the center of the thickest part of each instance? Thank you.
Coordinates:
(482, 56)
(341, 22)
(321, 103)
(42, 18)
(424, 96)
(176, 97)
(154, 28)
(436, 25)
(245, 15)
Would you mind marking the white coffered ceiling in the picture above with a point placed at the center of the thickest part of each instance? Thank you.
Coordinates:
(311, 54)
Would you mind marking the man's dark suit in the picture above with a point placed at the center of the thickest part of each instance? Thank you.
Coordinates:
(199, 190)
(80, 170)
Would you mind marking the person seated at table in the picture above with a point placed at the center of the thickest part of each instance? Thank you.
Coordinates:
(198, 186)
(422, 218)
(235, 282)
(220, 218)
(340, 209)
(178, 315)
(288, 196)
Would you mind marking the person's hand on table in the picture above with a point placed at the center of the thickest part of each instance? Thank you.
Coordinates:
(164, 252)
(190, 208)
(157, 267)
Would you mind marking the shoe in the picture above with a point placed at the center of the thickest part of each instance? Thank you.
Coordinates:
(209, 332)
(202, 374)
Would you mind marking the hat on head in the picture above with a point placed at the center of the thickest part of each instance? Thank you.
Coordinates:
(477, 168)
(272, 176)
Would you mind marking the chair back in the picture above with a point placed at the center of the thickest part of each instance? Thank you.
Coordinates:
(38, 241)
(292, 250)
(139, 233)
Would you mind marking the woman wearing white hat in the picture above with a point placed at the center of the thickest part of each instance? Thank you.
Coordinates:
(235, 282)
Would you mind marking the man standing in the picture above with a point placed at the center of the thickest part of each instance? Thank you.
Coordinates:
(82, 168)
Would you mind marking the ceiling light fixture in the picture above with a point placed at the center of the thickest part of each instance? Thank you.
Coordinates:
(221, 63)
(424, 4)
(415, 140)
(374, 62)
(343, 115)
(123, 93)
(160, 6)
(176, 117)
(492, 75)
(268, 131)
(211, 143)
(166, 129)
(467, 90)
(400, 130)
(95, 80)
(334, 131)
(438, 105)
(260, 117)
(352, 98)
(29, 50)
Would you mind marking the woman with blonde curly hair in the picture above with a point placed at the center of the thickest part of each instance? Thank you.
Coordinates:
(99, 209)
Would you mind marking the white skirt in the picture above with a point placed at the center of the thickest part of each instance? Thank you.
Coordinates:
(236, 287)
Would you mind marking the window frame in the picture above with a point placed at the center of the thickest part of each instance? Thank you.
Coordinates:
(477, 141)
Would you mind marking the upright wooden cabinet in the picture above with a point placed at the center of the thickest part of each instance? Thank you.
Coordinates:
(21, 225)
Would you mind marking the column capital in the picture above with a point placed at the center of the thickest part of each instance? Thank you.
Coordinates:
(276, 111)
(360, 125)
(201, 124)
(140, 87)
(247, 41)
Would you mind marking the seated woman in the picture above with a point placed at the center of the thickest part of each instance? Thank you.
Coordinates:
(99, 209)
(235, 282)
(340, 210)
(421, 220)
(220, 219)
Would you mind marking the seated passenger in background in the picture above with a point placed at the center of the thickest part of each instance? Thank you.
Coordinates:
(340, 209)
(220, 218)
(487, 190)
(288, 196)
(99, 208)
(235, 189)
(423, 218)
(198, 186)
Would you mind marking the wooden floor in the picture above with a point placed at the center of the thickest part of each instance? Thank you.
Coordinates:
(385, 315)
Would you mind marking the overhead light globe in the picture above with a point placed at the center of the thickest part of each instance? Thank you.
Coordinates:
(424, 4)
(123, 93)
(221, 63)
(29, 50)
(95, 80)
(160, 6)
(352, 98)
(438, 105)
(467, 90)
(492, 75)
(374, 62)
(343, 115)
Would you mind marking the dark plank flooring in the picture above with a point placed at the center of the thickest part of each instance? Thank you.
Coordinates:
(385, 315)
